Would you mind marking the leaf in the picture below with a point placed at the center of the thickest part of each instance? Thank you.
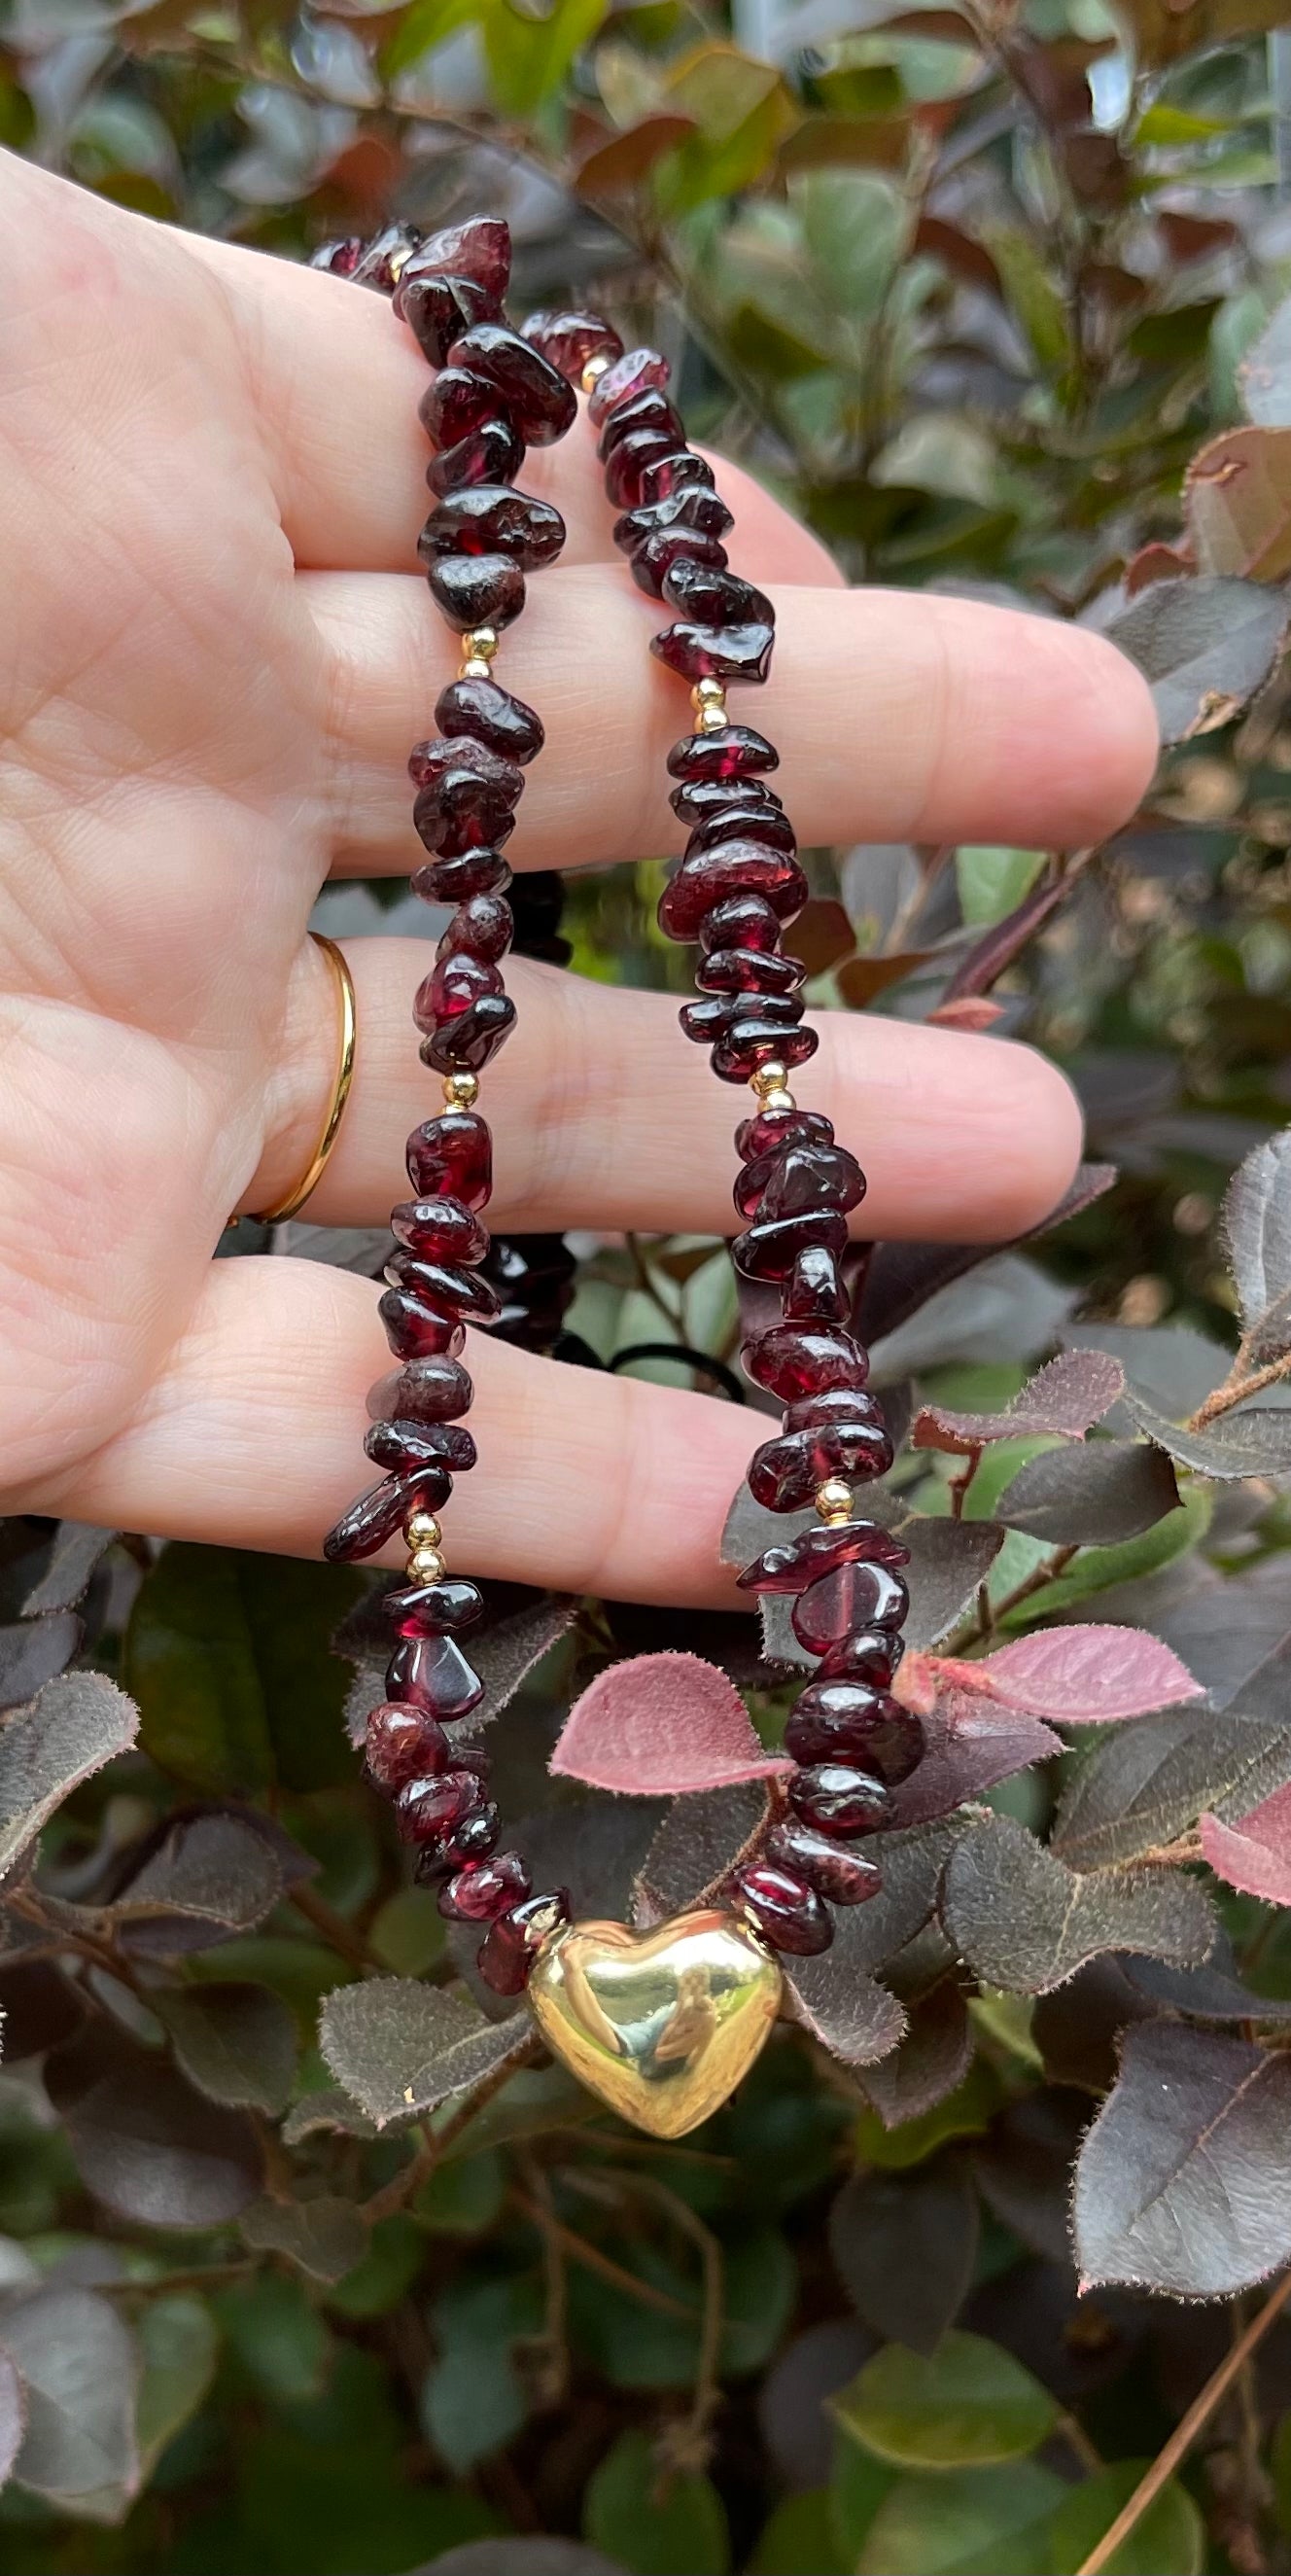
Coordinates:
(1061, 1401)
(1168, 2540)
(1237, 504)
(658, 2525)
(1252, 1441)
(699, 1840)
(236, 2043)
(1204, 645)
(76, 1551)
(949, 1562)
(1098, 1495)
(327, 2110)
(622, 161)
(904, 2247)
(851, 2015)
(1256, 1221)
(992, 881)
(967, 2405)
(658, 1725)
(13, 2416)
(1025, 1922)
(39, 2009)
(144, 2143)
(1184, 2180)
(79, 2366)
(514, 2556)
(987, 2522)
(528, 56)
(204, 1880)
(1089, 1675)
(1150, 1781)
(228, 1657)
(971, 1743)
(1096, 1569)
(928, 2063)
(178, 2344)
(1255, 1853)
(399, 2048)
(74, 1725)
(1023, 2167)
(743, 109)
(901, 1277)
(325, 2237)
(32, 1651)
(1264, 374)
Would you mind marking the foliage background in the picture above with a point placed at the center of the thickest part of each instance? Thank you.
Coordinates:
(971, 286)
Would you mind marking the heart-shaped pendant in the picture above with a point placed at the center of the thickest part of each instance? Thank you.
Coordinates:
(661, 2024)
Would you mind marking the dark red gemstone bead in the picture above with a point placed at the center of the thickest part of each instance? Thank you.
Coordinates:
(406, 1447)
(493, 519)
(786, 1909)
(678, 473)
(771, 1246)
(785, 1473)
(434, 1609)
(696, 508)
(444, 1287)
(772, 1129)
(749, 970)
(535, 393)
(820, 1550)
(757, 1039)
(839, 1798)
(845, 1877)
(513, 1942)
(854, 1596)
(652, 556)
(841, 1404)
(868, 1655)
(426, 1808)
(793, 1360)
(439, 1229)
(719, 599)
(738, 867)
(476, 590)
(468, 1043)
(723, 1012)
(492, 452)
(736, 752)
(697, 798)
(740, 921)
(338, 258)
(482, 871)
(434, 1673)
(453, 985)
(809, 1174)
(456, 403)
(630, 375)
(377, 1515)
(650, 409)
(381, 258)
(479, 249)
(491, 715)
(759, 821)
(452, 1155)
(483, 927)
(414, 1332)
(485, 1888)
(815, 1291)
(467, 795)
(736, 653)
(628, 461)
(568, 340)
(422, 1391)
(438, 309)
(402, 1744)
(840, 1721)
(474, 1836)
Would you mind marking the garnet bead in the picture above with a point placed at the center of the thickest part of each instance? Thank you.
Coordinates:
(749, 970)
(492, 452)
(434, 1609)
(568, 340)
(471, 1041)
(650, 409)
(696, 798)
(678, 473)
(427, 1807)
(771, 1246)
(724, 1012)
(736, 752)
(423, 1391)
(438, 309)
(542, 404)
(513, 1942)
(439, 1229)
(473, 1837)
(407, 1447)
(738, 867)
(809, 1174)
(444, 1287)
(485, 1888)
(381, 258)
(454, 983)
(491, 715)
(786, 1910)
(845, 1877)
(744, 920)
(377, 1515)
(433, 1672)
(469, 872)
(402, 1744)
(785, 1473)
(629, 375)
(839, 1798)
(479, 249)
(483, 928)
(731, 653)
(853, 1596)
(868, 1655)
(820, 1551)
(414, 1333)
(793, 1360)
(452, 1155)
(476, 590)
(652, 556)
(815, 1291)
(750, 819)
(338, 258)
(715, 598)
(467, 795)
(696, 508)
(770, 1130)
(628, 461)
(757, 1039)
(848, 1722)
(493, 519)
(456, 403)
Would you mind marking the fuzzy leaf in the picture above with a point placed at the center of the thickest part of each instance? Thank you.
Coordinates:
(400, 2048)
(75, 1725)
(1257, 1229)
(75, 1553)
(901, 1277)
(1023, 2167)
(1088, 1675)
(1237, 504)
(659, 1725)
(904, 2248)
(1184, 2180)
(206, 1879)
(145, 2144)
(1253, 1441)
(1098, 1495)
(1150, 1781)
(1255, 1853)
(851, 2015)
(325, 2237)
(698, 1841)
(971, 1743)
(32, 1651)
(930, 2061)
(949, 1562)
(79, 2367)
(236, 2043)
(1061, 1400)
(13, 2416)
(1025, 1922)
(1205, 646)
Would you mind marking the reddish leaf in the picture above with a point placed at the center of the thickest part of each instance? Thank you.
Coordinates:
(624, 160)
(1087, 1675)
(661, 1724)
(1062, 1400)
(1155, 562)
(1254, 1854)
(971, 1743)
(972, 1011)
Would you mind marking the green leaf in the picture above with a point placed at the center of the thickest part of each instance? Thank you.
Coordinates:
(854, 228)
(407, 1933)
(177, 2337)
(464, 2197)
(474, 2400)
(742, 110)
(236, 2043)
(992, 881)
(421, 27)
(229, 1660)
(1034, 300)
(799, 2539)
(968, 2404)
(654, 2524)
(983, 2522)
(276, 2335)
(965, 2113)
(858, 2484)
(394, 2258)
(529, 55)
(1168, 2540)
(1097, 1567)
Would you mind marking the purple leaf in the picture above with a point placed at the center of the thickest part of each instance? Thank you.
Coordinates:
(1024, 1921)
(1255, 1853)
(661, 1725)
(76, 1724)
(13, 2416)
(901, 1277)
(1061, 1400)
(1184, 2180)
(851, 2015)
(1088, 1675)
(932, 2059)
(971, 1743)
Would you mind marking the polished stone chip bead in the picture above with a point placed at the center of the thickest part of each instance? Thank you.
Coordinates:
(809, 1175)
(839, 1798)
(454, 985)
(736, 752)
(735, 654)
(474, 1836)
(797, 1562)
(438, 309)
(743, 920)
(815, 1291)
(627, 463)
(492, 452)
(851, 1598)
(784, 1907)
(835, 1404)
(476, 590)
(417, 1332)
(381, 259)
(738, 867)
(479, 249)
(382, 1511)
(784, 1473)
(444, 1287)
(467, 796)
(788, 1134)
(568, 340)
(762, 822)
(452, 1155)
(466, 1044)
(650, 409)
(653, 556)
(402, 1744)
(490, 714)
(439, 1229)
(750, 970)
(695, 507)
(422, 1391)
(839, 1721)
(768, 1131)
(794, 1360)
(482, 928)
(468, 872)
(404, 1447)
(493, 519)
(865, 1655)
(542, 405)
(632, 374)
(715, 1018)
(513, 1942)
(426, 1808)
(338, 258)
(433, 1673)
(698, 798)
(436, 1609)
(845, 1877)
(485, 1888)
(681, 472)
(456, 403)
(715, 598)
(770, 1247)
(755, 1041)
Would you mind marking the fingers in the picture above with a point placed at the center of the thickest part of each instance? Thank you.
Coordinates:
(252, 1436)
(898, 716)
(605, 1116)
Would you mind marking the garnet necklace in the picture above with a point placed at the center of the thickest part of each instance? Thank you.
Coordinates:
(661, 2024)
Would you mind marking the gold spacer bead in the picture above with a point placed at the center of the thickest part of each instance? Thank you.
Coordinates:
(711, 720)
(834, 1500)
(778, 1102)
(473, 668)
(481, 643)
(461, 1090)
(421, 1529)
(708, 693)
(768, 1077)
(425, 1565)
(594, 370)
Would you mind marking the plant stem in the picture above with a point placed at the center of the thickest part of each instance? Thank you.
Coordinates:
(436, 2142)
(581, 2250)
(332, 1927)
(1236, 1389)
(1185, 2432)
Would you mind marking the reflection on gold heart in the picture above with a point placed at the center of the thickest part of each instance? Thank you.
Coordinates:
(662, 2024)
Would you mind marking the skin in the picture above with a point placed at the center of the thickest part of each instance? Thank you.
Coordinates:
(214, 660)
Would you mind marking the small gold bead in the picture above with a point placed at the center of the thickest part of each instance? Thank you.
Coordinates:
(480, 643)
(594, 370)
(711, 720)
(778, 1102)
(768, 1077)
(834, 1500)
(421, 1529)
(708, 693)
(425, 1565)
(474, 668)
(461, 1090)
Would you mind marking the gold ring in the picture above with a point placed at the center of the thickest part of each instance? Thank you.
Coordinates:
(296, 1198)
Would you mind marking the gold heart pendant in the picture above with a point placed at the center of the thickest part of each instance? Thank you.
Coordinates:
(661, 2024)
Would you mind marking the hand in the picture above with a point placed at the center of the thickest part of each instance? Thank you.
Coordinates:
(216, 660)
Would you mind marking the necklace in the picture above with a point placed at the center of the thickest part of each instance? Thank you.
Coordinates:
(662, 2023)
